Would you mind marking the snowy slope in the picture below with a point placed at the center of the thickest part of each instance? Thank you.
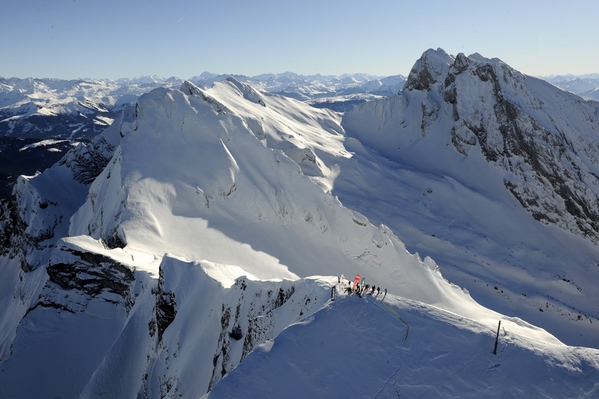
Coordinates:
(101, 329)
(360, 348)
(203, 222)
(26, 156)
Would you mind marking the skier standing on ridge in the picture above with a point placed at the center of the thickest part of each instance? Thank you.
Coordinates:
(356, 282)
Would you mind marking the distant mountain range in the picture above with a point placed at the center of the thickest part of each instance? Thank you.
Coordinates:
(586, 86)
(80, 109)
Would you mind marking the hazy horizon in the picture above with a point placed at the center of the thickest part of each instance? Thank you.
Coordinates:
(111, 40)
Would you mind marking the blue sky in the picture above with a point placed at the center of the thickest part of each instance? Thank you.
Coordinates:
(128, 38)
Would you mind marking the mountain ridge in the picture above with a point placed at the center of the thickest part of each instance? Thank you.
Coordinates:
(222, 215)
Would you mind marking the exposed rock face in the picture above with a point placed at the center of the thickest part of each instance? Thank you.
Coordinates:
(166, 307)
(428, 70)
(253, 320)
(228, 322)
(87, 276)
(101, 274)
(12, 229)
(546, 154)
(543, 139)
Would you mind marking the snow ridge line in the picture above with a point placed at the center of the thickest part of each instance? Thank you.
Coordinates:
(393, 313)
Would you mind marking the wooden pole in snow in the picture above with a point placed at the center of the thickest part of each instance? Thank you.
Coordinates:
(497, 338)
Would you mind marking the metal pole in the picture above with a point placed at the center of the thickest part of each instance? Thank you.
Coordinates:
(497, 338)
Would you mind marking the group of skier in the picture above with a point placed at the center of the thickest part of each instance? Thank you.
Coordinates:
(359, 290)
(358, 287)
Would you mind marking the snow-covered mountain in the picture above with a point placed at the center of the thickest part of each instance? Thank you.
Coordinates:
(206, 223)
(54, 110)
(544, 142)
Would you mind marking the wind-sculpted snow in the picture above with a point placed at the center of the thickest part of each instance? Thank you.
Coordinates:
(198, 226)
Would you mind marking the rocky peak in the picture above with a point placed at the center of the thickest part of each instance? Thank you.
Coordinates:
(431, 68)
(541, 138)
